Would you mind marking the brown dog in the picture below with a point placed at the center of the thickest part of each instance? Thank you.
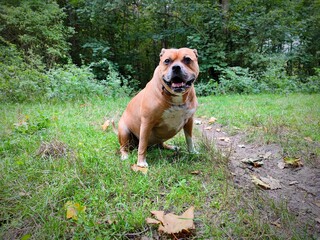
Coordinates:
(165, 106)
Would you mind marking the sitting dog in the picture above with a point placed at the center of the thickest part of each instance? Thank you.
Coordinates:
(165, 106)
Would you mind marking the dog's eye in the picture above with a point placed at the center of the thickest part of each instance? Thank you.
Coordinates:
(187, 60)
(167, 61)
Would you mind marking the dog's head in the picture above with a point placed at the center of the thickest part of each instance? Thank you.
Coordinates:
(179, 69)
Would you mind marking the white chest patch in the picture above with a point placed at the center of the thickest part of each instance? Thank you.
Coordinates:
(175, 117)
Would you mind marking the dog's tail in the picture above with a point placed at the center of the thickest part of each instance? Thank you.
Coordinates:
(115, 130)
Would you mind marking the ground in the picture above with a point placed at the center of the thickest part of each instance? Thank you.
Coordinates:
(299, 188)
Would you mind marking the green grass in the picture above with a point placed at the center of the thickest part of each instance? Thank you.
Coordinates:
(34, 190)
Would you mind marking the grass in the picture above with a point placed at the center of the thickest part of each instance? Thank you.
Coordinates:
(35, 188)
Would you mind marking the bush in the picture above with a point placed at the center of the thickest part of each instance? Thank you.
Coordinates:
(312, 85)
(18, 81)
(231, 80)
(275, 78)
(71, 82)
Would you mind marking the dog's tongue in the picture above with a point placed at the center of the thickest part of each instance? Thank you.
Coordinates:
(178, 84)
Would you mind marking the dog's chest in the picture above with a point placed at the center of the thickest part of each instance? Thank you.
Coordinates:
(175, 117)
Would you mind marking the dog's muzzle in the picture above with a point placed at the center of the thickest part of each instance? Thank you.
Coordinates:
(178, 80)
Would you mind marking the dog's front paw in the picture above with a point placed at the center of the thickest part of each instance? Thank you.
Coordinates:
(124, 156)
(142, 164)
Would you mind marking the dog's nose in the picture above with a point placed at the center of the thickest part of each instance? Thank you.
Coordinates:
(176, 68)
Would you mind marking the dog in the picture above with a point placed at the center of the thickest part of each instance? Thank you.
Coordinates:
(165, 106)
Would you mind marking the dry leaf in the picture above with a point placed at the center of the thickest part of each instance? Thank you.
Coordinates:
(218, 130)
(293, 183)
(173, 224)
(106, 125)
(259, 183)
(136, 168)
(208, 128)
(317, 220)
(276, 223)
(252, 161)
(241, 146)
(308, 139)
(292, 162)
(212, 120)
(273, 183)
(225, 139)
(73, 210)
(196, 172)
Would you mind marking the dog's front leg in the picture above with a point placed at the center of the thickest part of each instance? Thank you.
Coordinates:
(145, 131)
(187, 128)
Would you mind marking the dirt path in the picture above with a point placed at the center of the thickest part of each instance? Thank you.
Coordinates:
(298, 187)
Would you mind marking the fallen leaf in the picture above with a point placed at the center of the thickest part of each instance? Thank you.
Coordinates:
(293, 183)
(106, 125)
(253, 161)
(276, 223)
(171, 223)
(241, 146)
(212, 120)
(292, 162)
(259, 183)
(317, 220)
(225, 139)
(136, 168)
(73, 210)
(196, 172)
(272, 182)
(308, 139)
(208, 128)
(218, 130)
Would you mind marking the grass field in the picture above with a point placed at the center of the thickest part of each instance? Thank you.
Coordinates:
(86, 169)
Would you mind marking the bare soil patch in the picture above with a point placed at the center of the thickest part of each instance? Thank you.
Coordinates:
(298, 188)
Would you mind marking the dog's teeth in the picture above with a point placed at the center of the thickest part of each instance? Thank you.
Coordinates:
(177, 84)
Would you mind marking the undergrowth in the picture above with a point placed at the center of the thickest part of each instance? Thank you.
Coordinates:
(53, 153)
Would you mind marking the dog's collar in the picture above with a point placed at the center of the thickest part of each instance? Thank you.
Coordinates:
(166, 91)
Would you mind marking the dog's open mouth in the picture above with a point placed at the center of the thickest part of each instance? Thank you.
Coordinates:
(178, 84)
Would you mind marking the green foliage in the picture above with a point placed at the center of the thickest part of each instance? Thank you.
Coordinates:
(275, 78)
(36, 27)
(71, 82)
(31, 125)
(231, 80)
(18, 81)
(312, 84)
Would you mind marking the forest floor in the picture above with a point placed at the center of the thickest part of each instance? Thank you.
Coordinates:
(296, 187)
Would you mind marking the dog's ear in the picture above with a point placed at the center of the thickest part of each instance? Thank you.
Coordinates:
(162, 52)
(195, 52)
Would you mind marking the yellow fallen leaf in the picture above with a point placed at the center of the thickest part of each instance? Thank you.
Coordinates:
(212, 120)
(106, 125)
(293, 162)
(259, 183)
(208, 128)
(136, 168)
(73, 210)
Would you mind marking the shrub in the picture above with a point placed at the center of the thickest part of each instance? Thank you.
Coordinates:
(312, 85)
(71, 82)
(231, 80)
(18, 81)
